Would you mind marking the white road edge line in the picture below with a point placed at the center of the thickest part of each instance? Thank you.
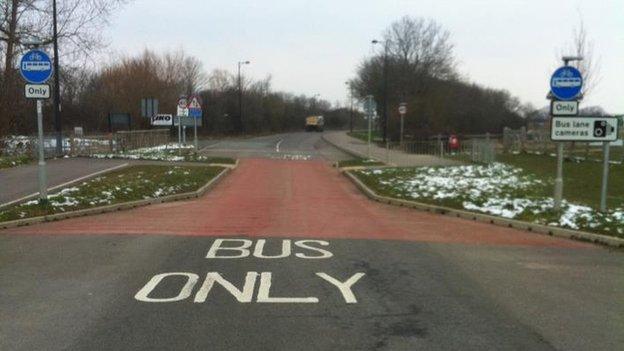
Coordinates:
(277, 146)
(27, 197)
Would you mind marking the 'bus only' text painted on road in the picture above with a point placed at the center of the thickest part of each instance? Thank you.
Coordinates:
(242, 248)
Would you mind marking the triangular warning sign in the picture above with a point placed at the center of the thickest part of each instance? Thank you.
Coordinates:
(194, 103)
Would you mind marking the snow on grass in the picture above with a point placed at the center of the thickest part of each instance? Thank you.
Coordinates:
(129, 184)
(172, 152)
(497, 189)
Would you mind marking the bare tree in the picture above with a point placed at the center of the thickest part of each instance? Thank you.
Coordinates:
(25, 22)
(421, 46)
(582, 45)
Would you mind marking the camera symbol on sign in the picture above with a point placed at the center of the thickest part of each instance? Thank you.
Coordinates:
(602, 129)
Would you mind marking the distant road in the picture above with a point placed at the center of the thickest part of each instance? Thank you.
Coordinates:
(293, 146)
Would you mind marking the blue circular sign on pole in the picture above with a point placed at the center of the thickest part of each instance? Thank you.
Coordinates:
(566, 83)
(36, 67)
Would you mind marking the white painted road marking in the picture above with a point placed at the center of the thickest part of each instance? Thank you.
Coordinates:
(184, 293)
(265, 288)
(242, 249)
(277, 146)
(345, 288)
(244, 295)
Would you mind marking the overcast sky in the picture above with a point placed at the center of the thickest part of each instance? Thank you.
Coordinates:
(313, 47)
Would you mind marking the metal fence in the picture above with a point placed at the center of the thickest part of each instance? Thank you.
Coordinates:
(485, 148)
(481, 150)
(538, 142)
(78, 145)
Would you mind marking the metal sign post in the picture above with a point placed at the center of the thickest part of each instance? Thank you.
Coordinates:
(195, 143)
(605, 176)
(36, 68)
(179, 135)
(195, 111)
(43, 181)
(565, 85)
(182, 111)
(402, 111)
(370, 107)
(587, 129)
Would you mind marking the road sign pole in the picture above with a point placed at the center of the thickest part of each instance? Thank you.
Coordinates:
(370, 120)
(605, 176)
(184, 135)
(195, 136)
(179, 134)
(565, 84)
(402, 127)
(43, 187)
(559, 180)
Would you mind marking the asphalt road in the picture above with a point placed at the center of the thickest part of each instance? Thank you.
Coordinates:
(21, 181)
(287, 146)
(320, 268)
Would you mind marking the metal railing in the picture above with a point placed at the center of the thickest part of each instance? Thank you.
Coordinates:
(76, 145)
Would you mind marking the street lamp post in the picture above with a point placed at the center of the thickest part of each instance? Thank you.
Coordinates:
(350, 107)
(240, 96)
(385, 88)
(315, 105)
(57, 90)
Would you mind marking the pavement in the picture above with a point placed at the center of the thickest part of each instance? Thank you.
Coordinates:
(286, 254)
(389, 156)
(18, 182)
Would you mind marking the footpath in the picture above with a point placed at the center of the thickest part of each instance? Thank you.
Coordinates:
(399, 158)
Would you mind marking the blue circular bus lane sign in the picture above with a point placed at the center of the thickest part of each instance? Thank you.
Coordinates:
(566, 83)
(36, 67)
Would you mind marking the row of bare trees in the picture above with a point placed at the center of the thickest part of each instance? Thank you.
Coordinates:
(28, 23)
(120, 87)
(416, 65)
(89, 96)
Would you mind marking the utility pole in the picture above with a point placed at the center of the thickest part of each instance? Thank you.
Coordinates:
(240, 97)
(384, 100)
(385, 92)
(57, 90)
(350, 107)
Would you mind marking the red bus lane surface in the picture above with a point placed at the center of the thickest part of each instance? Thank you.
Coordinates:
(266, 197)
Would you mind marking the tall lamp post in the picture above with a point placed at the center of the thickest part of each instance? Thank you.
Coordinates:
(314, 106)
(385, 87)
(57, 90)
(350, 106)
(240, 96)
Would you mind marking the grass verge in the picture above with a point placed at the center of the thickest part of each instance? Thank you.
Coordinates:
(581, 180)
(170, 152)
(498, 189)
(359, 162)
(14, 161)
(128, 184)
(363, 135)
